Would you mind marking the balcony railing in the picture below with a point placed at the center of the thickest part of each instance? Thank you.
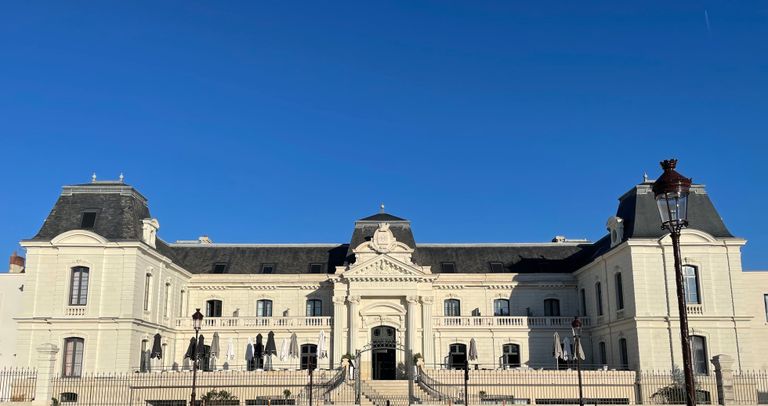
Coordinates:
(695, 309)
(507, 321)
(269, 322)
(75, 311)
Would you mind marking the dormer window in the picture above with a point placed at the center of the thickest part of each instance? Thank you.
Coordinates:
(447, 267)
(267, 268)
(88, 220)
(220, 267)
(615, 226)
(315, 268)
(496, 267)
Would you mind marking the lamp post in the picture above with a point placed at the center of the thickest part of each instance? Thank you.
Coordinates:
(197, 323)
(671, 192)
(576, 328)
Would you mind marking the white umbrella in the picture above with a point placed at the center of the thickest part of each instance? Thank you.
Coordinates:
(230, 350)
(472, 349)
(567, 355)
(293, 350)
(215, 350)
(249, 350)
(283, 349)
(579, 351)
(321, 351)
(557, 351)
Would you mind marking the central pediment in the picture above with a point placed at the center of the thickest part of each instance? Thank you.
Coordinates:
(383, 255)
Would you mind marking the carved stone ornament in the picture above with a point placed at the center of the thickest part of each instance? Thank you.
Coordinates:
(383, 240)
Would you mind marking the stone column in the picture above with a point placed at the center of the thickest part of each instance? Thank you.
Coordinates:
(46, 359)
(724, 377)
(353, 318)
(413, 344)
(338, 328)
(428, 339)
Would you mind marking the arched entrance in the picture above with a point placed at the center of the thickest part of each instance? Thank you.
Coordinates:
(383, 355)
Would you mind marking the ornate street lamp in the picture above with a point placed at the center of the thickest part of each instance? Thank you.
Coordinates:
(197, 323)
(576, 328)
(671, 191)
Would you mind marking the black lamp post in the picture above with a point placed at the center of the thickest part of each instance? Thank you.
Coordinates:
(197, 323)
(671, 191)
(576, 328)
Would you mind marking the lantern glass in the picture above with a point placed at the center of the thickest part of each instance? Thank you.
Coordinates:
(673, 207)
(197, 320)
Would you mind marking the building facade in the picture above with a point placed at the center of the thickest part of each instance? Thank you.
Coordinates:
(102, 286)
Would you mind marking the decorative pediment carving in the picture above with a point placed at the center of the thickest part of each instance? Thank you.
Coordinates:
(384, 257)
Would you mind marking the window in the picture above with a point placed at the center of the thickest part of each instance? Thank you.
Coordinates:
(147, 286)
(452, 307)
(73, 356)
(496, 267)
(457, 356)
(68, 397)
(699, 350)
(552, 308)
(220, 267)
(314, 308)
(264, 308)
(78, 287)
(181, 303)
(267, 268)
(144, 358)
(308, 356)
(765, 299)
(583, 297)
(619, 292)
(599, 298)
(213, 308)
(603, 356)
(511, 356)
(88, 220)
(623, 354)
(315, 268)
(691, 284)
(167, 307)
(501, 307)
(447, 267)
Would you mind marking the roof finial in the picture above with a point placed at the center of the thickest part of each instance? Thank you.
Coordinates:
(381, 208)
(121, 177)
(645, 177)
(93, 177)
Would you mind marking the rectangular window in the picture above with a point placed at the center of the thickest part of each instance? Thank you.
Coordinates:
(314, 308)
(691, 284)
(583, 294)
(78, 288)
(267, 268)
(88, 220)
(448, 267)
(213, 308)
(73, 357)
(699, 350)
(599, 298)
(220, 267)
(765, 299)
(603, 355)
(619, 292)
(264, 308)
(181, 303)
(452, 308)
(552, 308)
(315, 268)
(497, 267)
(501, 307)
(167, 307)
(147, 286)
(623, 353)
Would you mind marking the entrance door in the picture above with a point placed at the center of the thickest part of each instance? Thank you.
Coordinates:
(457, 356)
(383, 359)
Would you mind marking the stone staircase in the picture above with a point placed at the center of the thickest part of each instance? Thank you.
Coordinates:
(394, 391)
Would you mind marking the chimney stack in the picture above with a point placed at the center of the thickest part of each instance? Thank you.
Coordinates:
(16, 264)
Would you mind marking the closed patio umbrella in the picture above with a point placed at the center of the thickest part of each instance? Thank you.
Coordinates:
(157, 348)
(200, 347)
(249, 350)
(567, 355)
(579, 352)
(293, 350)
(191, 349)
(258, 348)
(472, 349)
(321, 351)
(284, 348)
(270, 349)
(230, 350)
(215, 345)
(557, 351)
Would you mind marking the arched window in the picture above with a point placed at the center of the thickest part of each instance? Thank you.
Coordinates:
(552, 308)
(501, 307)
(452, 308)
(691, 284)
(213, 308)
(599, 298)
(72, 364)
(623, 353)
(308, 356)
(78, 287)
(264, 308)
(457, 356)
(510, 356)
(314, 308)
(619, 292)
(603, 355)
(699, 350)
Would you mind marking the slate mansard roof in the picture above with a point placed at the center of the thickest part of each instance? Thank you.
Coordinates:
(120, 210)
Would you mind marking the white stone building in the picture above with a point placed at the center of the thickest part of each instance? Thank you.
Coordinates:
(101, 284)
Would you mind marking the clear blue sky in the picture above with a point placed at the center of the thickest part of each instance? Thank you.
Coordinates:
(480, 121)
